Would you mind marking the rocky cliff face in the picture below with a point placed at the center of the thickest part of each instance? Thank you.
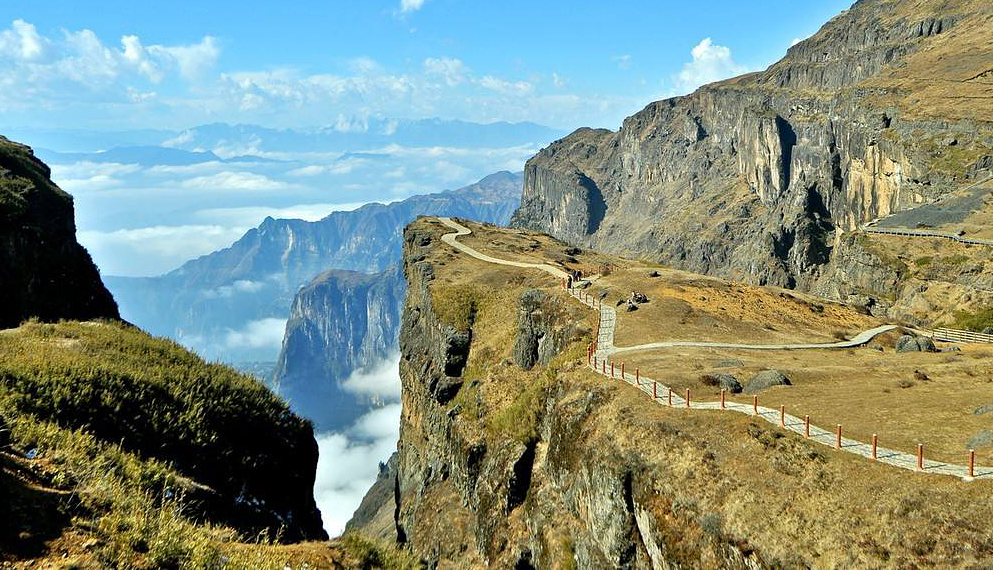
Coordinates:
(44, 272)
(201, 303)
(340, 322)
(504, 466)
(755, 178)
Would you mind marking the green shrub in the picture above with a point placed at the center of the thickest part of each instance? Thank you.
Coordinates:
(973, 321)
(457, 305)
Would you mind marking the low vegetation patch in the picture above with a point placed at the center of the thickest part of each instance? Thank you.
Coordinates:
(457, 305)
(973, 321)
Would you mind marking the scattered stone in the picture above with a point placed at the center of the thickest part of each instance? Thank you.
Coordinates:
(653, 273)
(909, 343)
(619, 302)
(983, 409)
(981, 439)
(573, 251)
(637, 297)
(603, 295)
(950, 141)
(766, 379)
(878, 347)
(728, 364)
(988, 330)
(631, 307)
(951, 349)
(582, 285)
(729, 383)
(920, 376)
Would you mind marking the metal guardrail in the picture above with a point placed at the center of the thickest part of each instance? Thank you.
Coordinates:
(955, 335)
(927, 233)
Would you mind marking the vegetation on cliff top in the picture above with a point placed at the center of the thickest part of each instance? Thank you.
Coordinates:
(118, 446)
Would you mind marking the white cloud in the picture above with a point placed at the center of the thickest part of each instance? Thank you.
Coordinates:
(453, 71)
(349, 463)
(22, 41)
(381, 379)
(229, 180)
(239, 286)
(38, 62)
(710, 63)
(155, 249)
(263, 333)
(795, 41)
(623, 61)
(410, 5)
(506, 87)
(250, 216)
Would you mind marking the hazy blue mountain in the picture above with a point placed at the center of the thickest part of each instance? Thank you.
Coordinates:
(231, 304)
(339, 322)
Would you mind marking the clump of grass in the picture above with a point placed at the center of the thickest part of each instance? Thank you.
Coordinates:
(840, 335)
(457, 305)
(368, 554)
(923, 261)
(520, 418)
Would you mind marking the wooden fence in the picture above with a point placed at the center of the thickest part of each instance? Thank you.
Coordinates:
(955, 335)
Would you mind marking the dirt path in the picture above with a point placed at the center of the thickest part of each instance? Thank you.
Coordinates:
(661, 394)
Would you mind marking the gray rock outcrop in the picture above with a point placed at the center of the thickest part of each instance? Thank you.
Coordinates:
(981, 439)
(909, 343)
(766, 379)
(540, 333)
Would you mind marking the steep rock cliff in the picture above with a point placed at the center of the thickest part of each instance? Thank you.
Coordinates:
(44, 272)
(754, 178)
(554, 467)
(341, 321)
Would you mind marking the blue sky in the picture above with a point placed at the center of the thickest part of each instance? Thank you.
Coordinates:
(115, 64)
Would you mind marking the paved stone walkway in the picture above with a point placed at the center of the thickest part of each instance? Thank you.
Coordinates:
(662, 394)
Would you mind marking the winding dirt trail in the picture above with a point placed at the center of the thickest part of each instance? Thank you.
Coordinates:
(663, 395)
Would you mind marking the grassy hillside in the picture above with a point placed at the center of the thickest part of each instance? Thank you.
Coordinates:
(122, 450)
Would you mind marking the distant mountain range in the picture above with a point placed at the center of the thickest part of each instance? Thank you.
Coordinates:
(226, 304)
(144, 156)
(233, 140)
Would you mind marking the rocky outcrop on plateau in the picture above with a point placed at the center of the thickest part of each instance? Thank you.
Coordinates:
(757, 178)
(44, 272)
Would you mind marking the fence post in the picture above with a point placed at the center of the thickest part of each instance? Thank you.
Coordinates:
(875, 444)
(723, 392)
(972, 463)
(637, 376)
(837, 443)
(623, 377)
(603, 367)
(782, 416)
(755, 404)
(687, 397)
(655, 390)
(611, 368)
(806, 426)
(670, 397)
(920, 456)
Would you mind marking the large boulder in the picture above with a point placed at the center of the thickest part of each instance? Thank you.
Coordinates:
(988, 330)
(910, 343)
(729, 383)
(766, 379)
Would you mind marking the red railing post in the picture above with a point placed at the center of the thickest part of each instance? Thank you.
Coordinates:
(655, 390)
(837, 443)
(637, 376)
(875, 445)
(972, 463)
(670, 397)
(920, 456)
(623, 377)
(755, 405)
(611, 368)
(603, 367)
(723, 392)
(687, 397)
(782, 416)
(806, 426)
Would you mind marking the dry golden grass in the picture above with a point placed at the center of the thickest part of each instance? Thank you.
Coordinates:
(713, 473)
